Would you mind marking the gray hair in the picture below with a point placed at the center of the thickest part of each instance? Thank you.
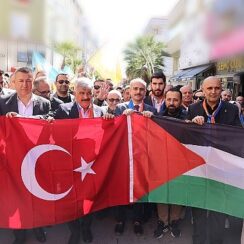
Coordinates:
(138, 80)
(38, 80)
(116, 92)
(83, 82)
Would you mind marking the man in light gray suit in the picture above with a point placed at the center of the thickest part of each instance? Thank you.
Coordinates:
(23, 103)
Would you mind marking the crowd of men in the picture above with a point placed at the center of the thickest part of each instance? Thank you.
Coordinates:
(31, 96)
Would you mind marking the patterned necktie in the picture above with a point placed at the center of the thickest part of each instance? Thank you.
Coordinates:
(136, 107)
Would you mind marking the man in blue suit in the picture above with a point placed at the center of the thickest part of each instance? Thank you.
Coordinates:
(135, 105)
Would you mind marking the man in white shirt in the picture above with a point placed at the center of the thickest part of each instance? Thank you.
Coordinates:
(23, 103)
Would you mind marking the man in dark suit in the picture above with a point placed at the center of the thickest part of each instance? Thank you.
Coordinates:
(211, 110)
(24, 103)
(42, 88)
(156, 98)
(135, 105)
(82, 107)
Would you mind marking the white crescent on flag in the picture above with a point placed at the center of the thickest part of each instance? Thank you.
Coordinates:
(28, 172)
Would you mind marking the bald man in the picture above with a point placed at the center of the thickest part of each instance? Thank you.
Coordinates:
(211, 110)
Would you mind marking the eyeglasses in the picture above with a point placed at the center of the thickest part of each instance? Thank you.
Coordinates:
(63, 81)
(114, 100)
(44, 92)
(96, 87)
(201, 98)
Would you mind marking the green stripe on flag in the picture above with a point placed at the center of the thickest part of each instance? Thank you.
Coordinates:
(200, 192)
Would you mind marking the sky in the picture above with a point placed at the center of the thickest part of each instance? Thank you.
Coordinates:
(121, 21)
(115, 23)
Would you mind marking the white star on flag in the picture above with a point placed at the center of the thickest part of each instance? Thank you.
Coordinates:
(85, 169)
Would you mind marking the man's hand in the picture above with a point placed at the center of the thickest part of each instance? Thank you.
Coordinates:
(128, 111)
(108, 116)
(50, 119)
(198, 120)
(12, 114)
(147, 114)
(102, 95)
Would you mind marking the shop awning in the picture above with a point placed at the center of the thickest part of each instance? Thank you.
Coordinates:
(191, 72)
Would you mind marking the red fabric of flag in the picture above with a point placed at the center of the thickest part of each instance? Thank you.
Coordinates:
(158, 156)
(38, 162)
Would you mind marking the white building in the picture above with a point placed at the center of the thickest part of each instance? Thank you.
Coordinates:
(37, 25)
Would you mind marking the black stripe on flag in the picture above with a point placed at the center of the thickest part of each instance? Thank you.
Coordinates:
(224, 137)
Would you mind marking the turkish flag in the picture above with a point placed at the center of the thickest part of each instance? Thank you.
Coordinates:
(38, 162)
(54, 173)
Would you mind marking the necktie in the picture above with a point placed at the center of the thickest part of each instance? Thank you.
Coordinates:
(136, 107)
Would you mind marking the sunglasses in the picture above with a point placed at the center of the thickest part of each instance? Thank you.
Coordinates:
(200, 98)
(63, 81)
(44, 92)
(96, 87)
(113, 100)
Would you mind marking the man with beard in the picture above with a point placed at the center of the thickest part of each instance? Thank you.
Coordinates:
(226, 95)
(169, 214)
(62, 85)
(156, 99)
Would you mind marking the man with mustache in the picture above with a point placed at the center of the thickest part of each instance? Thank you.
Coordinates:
(169, 214)
(82, 107)
(135, 105)
(156, 99)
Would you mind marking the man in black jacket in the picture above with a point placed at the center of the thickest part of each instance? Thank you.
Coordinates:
(25, 104)
(211, 110)
(42, 88)
(169, 214)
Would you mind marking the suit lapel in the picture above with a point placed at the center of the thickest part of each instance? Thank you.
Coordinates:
(74, 113)
(36, 106)
(12, 103)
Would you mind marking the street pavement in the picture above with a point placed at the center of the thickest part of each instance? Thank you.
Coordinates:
(103, 233)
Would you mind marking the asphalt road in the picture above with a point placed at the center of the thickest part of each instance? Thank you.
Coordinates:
(103, 233)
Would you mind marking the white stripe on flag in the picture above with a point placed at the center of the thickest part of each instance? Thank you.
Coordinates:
(131, 162)
(220, 166)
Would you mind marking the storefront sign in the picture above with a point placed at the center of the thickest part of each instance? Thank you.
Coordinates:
(230, 66)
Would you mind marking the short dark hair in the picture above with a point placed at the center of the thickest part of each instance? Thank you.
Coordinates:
(99, 80)
(25, 70)
(159, 75)
(174, 89)
(59, 75)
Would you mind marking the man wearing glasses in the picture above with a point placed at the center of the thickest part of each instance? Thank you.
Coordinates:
(198, 96)
(100, 92)
(62, 85)
(42, 88)
(113, 99)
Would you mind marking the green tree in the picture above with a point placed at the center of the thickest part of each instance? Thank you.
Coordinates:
(144, 57)
(70, 53)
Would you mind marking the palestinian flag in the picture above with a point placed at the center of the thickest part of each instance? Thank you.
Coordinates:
(217, 185)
